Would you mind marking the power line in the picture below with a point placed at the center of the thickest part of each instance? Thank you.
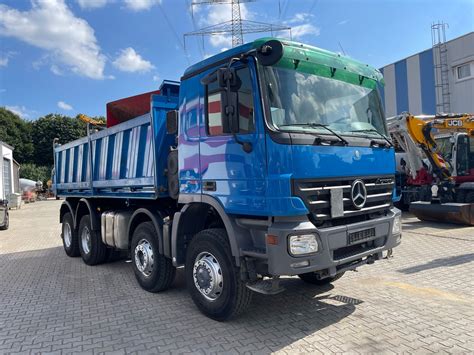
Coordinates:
(193, 20)
(170, 25)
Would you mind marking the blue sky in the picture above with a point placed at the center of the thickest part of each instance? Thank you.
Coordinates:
(74, 56)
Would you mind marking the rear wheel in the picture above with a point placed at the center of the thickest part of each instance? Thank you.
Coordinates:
(311, 278)
(154, 272)
(69, 236)
(212, 278)
(92, 250)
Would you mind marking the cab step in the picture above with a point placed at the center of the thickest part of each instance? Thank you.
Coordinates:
(266, 287)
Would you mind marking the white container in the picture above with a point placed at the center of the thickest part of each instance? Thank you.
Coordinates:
(14, 201)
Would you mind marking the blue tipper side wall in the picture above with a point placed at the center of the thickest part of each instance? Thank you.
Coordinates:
(127, 160)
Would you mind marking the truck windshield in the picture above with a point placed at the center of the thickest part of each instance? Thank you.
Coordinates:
(310, 103)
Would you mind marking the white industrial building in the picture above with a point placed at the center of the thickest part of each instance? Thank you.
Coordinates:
(439, 79)
(9, 179)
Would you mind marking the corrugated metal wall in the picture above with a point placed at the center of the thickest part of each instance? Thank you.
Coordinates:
(410, 83)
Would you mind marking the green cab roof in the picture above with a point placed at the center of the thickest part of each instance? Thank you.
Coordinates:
(301, 57)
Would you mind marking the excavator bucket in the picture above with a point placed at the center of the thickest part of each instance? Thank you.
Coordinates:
(458, 213)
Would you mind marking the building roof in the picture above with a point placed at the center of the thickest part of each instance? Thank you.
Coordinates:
(7, 145)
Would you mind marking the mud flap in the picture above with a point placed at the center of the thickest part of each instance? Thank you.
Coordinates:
(458, 213)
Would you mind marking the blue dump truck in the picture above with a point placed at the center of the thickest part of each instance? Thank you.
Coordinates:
(268, 159)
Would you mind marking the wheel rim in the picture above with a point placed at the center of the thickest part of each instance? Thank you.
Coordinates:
(144, 258)
(207, 275)
(86, 240)
(67, 235)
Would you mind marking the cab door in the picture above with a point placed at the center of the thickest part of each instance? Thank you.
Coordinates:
(234, 175)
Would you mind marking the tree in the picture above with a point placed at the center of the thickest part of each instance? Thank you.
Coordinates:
(47, 128)
(17, 133)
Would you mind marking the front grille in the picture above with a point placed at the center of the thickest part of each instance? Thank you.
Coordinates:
(316, 195)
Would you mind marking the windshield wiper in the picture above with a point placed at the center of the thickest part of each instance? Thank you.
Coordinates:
(317, 125)
(375, 131)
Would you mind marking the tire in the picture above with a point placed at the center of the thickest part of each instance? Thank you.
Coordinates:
(209, 255)
(311, 278)
(69, 236)
(93, 251)
(6, 225)
(154, 272)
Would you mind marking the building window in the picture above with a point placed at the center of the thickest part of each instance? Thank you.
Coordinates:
(463, 71)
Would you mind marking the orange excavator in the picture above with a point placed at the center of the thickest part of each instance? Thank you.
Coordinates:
(436, 165)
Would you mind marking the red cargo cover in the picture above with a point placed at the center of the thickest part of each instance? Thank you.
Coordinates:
(130, 107)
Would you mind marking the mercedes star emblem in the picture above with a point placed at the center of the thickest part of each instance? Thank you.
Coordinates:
(358, 194)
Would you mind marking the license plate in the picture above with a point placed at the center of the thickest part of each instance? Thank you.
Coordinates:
(357, 237)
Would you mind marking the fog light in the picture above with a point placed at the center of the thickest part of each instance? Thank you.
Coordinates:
(300, 264)
(303, 244)
(397, 225)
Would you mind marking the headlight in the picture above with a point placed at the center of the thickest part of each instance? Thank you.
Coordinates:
(397, 225)
(303, 244)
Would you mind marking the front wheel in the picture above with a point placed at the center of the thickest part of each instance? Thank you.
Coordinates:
(212, 278)
(154, 272)
(311, 278)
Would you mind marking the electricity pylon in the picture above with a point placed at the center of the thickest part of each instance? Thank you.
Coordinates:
(236, 26)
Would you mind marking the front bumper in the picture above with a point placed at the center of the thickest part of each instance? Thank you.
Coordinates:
(336, 253)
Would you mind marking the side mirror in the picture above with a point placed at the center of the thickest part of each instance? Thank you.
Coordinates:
(172, 122)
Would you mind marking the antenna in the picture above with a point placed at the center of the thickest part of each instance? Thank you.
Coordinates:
(236, 26)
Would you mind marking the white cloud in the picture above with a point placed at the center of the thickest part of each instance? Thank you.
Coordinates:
(343, 22)
(304, 30)
(51, 25)
(140, 5)
(92, 4)
(156, 77)
(21, 111)
(130, 61)
(300, 17)
(5, 58)
(64, 106)
(56, 70)
(221, 40)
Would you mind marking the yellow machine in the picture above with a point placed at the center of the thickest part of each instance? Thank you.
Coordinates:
(424, 129)
(92, 121)
(437, 167)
